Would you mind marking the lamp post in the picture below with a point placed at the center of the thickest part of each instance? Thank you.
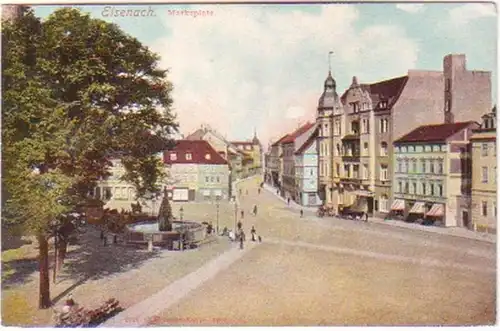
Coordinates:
(181, 212)
(217, 205)
(235, 215)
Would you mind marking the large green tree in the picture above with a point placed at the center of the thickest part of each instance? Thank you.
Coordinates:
(77, 92)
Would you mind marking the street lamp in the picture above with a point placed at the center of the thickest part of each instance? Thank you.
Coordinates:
(181, 212)
(217, 204)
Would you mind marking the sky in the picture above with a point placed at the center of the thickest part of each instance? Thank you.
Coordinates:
(262, 67)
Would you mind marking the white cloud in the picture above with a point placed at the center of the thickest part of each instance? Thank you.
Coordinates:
(411, 7)
(471, 11)
(264, 67)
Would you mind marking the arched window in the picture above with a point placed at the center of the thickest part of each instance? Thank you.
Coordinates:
(338, 149)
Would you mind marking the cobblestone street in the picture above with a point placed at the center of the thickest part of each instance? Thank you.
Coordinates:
(342, 272)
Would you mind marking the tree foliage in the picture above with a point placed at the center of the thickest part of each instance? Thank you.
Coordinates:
(77, 92)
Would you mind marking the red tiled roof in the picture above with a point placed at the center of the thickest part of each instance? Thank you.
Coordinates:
(436, 132)
(307, 143)
(387, 90)
(292, 136)
(198, 150)
(280, 140)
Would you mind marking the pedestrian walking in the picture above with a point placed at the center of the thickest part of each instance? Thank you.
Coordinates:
(246, 192)
(253, 232)
(255, 210)
(242, 238)
(242, 213)
(288, 201)
(258, 191)
(240, 191)
(239, 225)
(301, 213)
(260, 239)
(366, 217)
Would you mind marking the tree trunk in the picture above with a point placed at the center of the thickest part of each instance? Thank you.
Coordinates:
(61, 253)
(43, 265)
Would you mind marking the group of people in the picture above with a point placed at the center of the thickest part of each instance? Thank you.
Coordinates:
(239, 234)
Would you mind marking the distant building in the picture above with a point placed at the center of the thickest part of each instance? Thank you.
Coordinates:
(114, 192)
(196, 172)
(432, 181)
(484, 174)
(306, 169)
(276, 163)
(357, 130)
(289, 147)
(254, 154)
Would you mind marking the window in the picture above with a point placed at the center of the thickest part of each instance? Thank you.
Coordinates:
(440, 167)
(484, 208)
(366, 125)
(383, 148)
(407, 187)
(424, 166)
(347, 171)
(400, 187)
(440, 190)
(447, 105)
(207, 179)
(356, 171)
(383, 125)
(188, 156)
(383, 172)
(432, 189)
(495, 209)
(424, 189)
(355, 127)
(107, 193)
(173, 156)
(431, 164)
(400, 166)
(484, 149)
(447, 86)
(207, 156)
(414, 188)
(365, 148)
(337, 169)
(365, 171)
(338, 149)
(485, 174)
(383, 203)
(407, 166)
(336, 128)
(355, 107)
(218, 179)
(414, 166)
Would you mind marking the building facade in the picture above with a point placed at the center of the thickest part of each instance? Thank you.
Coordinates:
(306, 170)
(432, 180)
(357, 130)
(484, 172)
(289, 146)
(196, 172)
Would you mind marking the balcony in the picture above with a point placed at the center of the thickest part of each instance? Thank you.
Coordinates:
(351, 136)
(351, 180)
(351, 157)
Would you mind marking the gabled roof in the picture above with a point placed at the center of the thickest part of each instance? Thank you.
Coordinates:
(280, 140)
(199, 149)
(434, 133)
(387, 90)
(292, 136)
(307, 143)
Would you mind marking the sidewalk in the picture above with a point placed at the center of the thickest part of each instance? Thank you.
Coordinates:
(451, 231)
(146, 311)
(293, 204)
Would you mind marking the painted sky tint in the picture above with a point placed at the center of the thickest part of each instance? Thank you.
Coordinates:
(264, 66)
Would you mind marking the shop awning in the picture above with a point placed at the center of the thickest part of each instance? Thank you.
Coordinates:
(418, 208)
(364, 193)
(398, 204)
(437, 209)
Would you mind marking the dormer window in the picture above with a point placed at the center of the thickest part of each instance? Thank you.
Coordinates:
(207, 156)
(355, 107)
(188, 156)
(173, 157)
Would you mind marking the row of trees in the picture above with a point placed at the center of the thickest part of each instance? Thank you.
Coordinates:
(77, 91)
